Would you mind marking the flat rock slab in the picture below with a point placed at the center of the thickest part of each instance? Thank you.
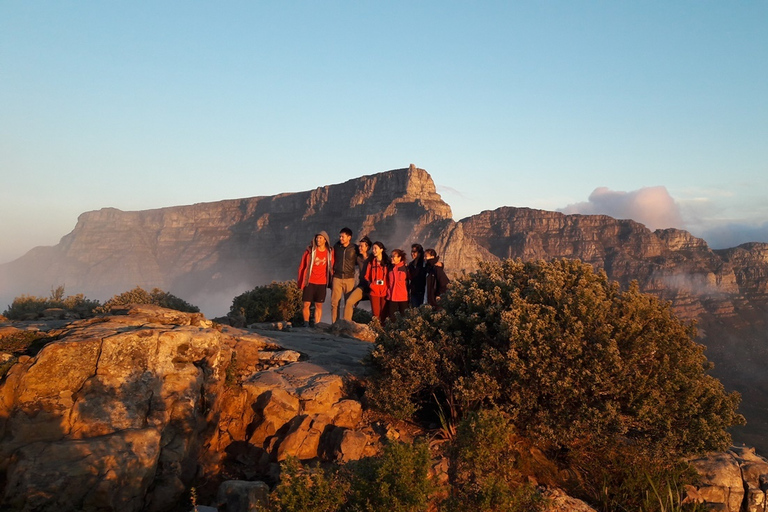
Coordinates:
(325, 352)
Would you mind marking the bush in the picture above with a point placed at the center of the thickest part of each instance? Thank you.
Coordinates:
(275, 302)
(30, 307)
(156, 297)
(565, 353)
(361, 316)
(397, 481)
(302, 489)
(486, 456)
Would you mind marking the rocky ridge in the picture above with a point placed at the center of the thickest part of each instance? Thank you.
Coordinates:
(129, 411)
(208, 253)
(124, 412)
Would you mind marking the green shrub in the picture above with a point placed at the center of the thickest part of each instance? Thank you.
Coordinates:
(397, 481)
(301, 489)
(275, 302)
(570, 357)
(156, 297)
(30, 307)
(486, 456)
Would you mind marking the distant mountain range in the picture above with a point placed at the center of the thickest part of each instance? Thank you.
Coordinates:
(210, 252)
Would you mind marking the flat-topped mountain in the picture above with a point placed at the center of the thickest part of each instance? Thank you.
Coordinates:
(207, 253)
(210, 252)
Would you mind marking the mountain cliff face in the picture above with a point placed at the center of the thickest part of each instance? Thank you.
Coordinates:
(208, 253)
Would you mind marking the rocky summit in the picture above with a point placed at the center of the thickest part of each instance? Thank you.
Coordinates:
(124, 412)
(208, 253)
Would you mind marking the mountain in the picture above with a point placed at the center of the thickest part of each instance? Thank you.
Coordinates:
(208, 253)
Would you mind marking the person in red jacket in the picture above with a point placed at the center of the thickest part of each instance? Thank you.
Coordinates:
(376, 275)
(315, 275)
(397, 285)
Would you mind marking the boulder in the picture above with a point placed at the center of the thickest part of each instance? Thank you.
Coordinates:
(303, 438)
(721, 481)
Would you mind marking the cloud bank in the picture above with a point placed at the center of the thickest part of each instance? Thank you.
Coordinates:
(657, 209)
(652, 206)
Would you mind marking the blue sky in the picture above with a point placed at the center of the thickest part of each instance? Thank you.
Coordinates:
(624, 108)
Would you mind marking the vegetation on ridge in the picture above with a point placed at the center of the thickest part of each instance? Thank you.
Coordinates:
(30, 307)
(592, 376)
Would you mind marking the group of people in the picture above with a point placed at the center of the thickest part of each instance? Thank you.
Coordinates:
(364, 271)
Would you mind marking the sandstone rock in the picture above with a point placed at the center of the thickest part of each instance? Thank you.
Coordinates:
(109, 472)
(285, 356)
(350, 329)
(346, 413)
(241, 496)
(721, 480)
(558, 501)
(320, 393)
(303, 438)
(275, 408)
(344, 445)
(109, 387)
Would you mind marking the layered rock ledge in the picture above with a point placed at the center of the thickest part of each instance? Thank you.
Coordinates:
(123, 412)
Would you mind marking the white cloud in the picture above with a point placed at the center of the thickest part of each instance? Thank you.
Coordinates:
(652, 206)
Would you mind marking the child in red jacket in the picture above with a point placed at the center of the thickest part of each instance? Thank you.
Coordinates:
(397, 285)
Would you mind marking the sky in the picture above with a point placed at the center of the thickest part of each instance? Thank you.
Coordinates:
(652, 110)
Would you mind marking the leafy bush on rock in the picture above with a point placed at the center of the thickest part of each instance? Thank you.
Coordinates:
(564, 352)
(275, 302)
(156, 297)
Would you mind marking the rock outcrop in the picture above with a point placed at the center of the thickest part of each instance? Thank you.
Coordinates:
(734, 481)
(123, 412)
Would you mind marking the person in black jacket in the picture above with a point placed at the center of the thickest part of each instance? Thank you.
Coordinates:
(417, 276)
(436, 279)
(344, 265)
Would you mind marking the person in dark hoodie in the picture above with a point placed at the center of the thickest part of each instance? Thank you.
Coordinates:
(437, 281)
(417, 276)
(315, 275)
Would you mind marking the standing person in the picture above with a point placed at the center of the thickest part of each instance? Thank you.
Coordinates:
(376, 275)
(315, 275)
(436, 281)
(363, 288)
(344, 263)
(417, 277)
(397, 285)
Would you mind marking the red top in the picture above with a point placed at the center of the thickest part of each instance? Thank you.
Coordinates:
(397, 286)
(319, 274)
(376, 274)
